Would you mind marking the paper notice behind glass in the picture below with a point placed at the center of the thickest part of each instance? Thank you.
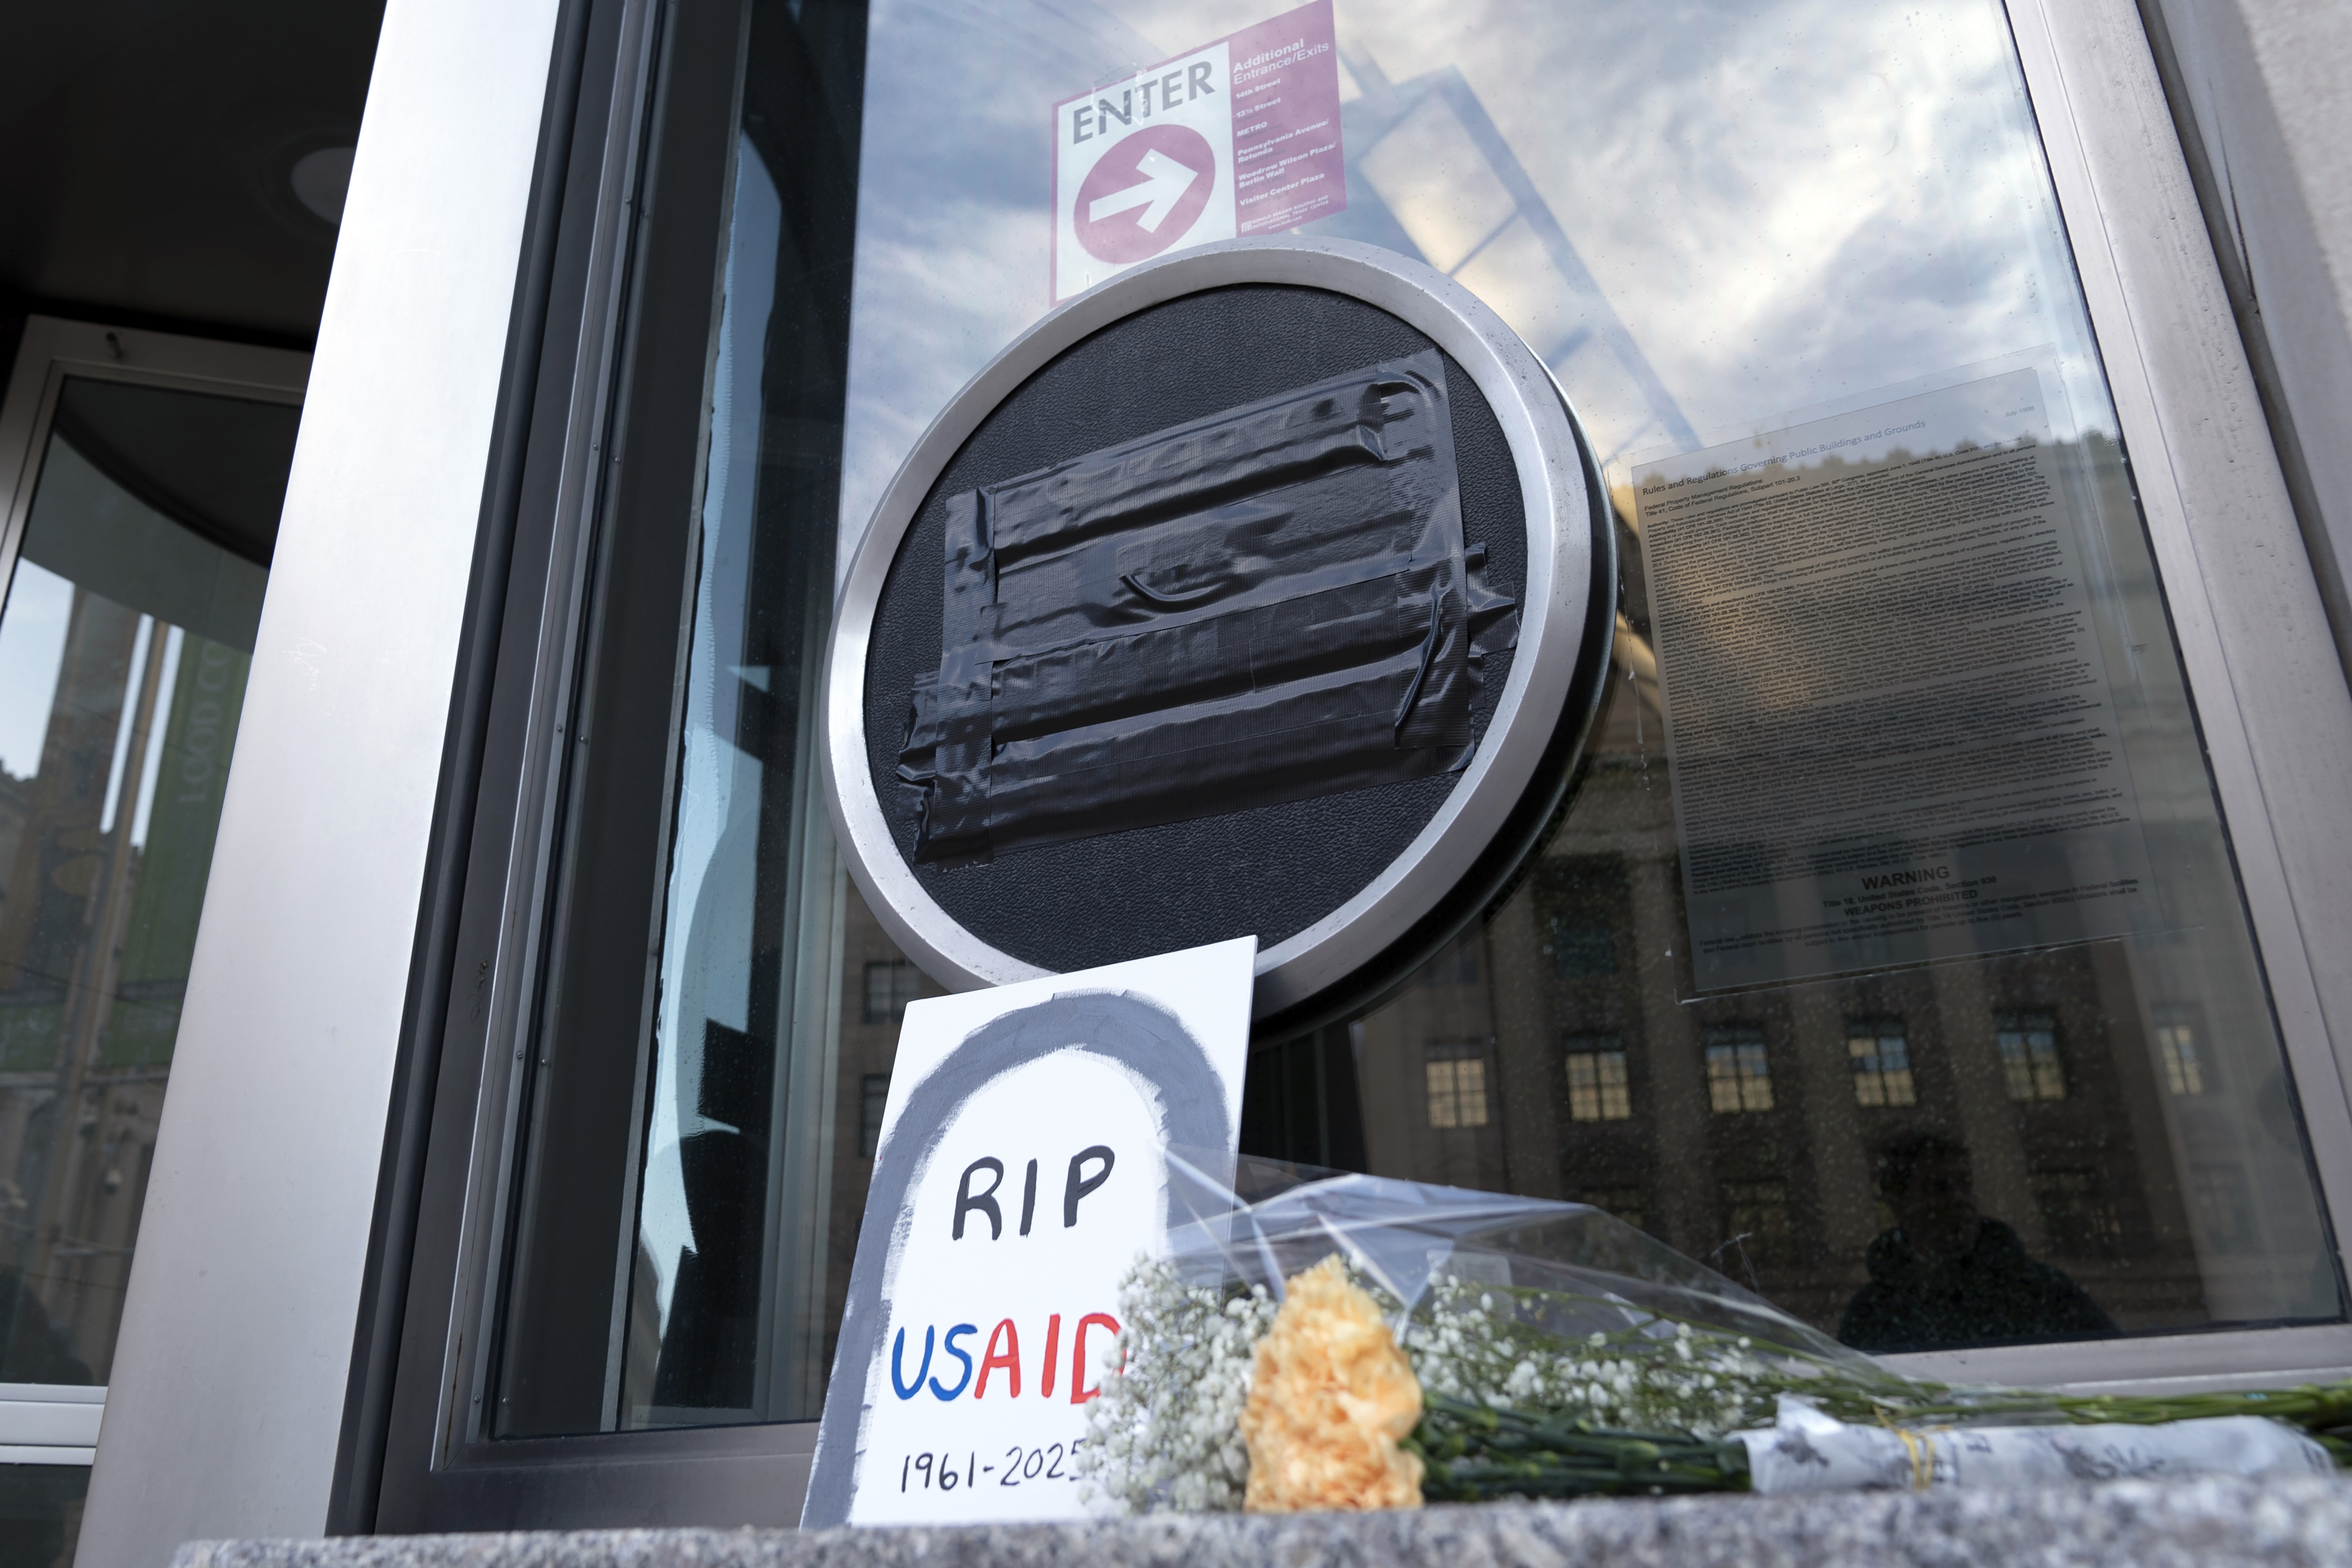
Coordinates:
(1889, 715)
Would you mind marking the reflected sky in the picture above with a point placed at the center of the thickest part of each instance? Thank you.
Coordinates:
(1705, 214)
(707, 950)
(32, 651)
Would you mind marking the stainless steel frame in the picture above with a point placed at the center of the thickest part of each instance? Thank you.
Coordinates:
(1559, 503)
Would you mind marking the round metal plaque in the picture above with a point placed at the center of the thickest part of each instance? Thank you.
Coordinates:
(1264, 590)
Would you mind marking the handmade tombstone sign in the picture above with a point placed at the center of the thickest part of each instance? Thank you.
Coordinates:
(1022, 1168)
(1266, 589)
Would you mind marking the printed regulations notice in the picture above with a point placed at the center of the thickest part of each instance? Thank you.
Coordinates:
(1239, 137)
(1888, 716)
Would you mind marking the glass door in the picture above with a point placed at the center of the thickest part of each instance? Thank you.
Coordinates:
(136, 560)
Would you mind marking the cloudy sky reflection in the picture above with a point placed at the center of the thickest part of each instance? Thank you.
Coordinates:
(1741, 208)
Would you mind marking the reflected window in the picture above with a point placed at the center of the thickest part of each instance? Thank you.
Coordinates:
(2176, 1051)
(1597, 1086)
(1881, 1057)
(1580, 900)
(1457, 1083)
(890, 984)
(2028, 1057)
(1738, 1072)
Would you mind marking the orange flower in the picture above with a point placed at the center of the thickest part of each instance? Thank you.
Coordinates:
(1330, 1393)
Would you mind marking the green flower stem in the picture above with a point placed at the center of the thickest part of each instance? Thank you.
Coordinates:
(1473, 1452)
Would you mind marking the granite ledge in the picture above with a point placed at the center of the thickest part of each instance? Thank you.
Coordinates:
(2142, 1524)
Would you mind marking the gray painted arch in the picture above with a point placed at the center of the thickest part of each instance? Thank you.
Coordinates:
(1118, 1026)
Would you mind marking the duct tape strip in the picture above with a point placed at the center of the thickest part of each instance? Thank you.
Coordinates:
(1267, 604)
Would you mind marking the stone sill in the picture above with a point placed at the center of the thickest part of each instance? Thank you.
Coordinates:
(2120, 1524)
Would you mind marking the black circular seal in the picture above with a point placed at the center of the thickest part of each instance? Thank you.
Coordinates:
(1271, 599)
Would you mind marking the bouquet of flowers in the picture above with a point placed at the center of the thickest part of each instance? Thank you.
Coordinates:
(1317, 1340)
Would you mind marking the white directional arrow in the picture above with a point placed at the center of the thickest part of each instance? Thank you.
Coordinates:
(1165, 181)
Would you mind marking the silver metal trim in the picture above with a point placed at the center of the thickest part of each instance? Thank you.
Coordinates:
(1540, 429)
(2168, 1364)
(48, 1422)
(54, 1393)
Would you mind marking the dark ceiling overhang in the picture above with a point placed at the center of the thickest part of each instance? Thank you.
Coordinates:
(146, 157)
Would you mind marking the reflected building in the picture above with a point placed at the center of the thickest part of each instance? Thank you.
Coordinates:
(2109, 1118)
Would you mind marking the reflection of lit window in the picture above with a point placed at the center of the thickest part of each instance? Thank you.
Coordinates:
(1597, 1089)
(1756, 1216)
(1581, 951)
(890, 984)
(2029, 1056)
(1457, 1083)
(2076, 1214)
(2176, 1048)
(1739, 1074)
(1622, 1202)
(1882, 1062)
(874, 1093)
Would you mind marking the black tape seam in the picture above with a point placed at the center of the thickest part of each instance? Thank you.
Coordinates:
(1267, 604)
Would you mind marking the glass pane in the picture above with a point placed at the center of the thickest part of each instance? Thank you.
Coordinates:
(124, 647)
(1788, 225)
(1718, 222)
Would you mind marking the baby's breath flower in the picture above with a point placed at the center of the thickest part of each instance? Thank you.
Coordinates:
(1470, 1342)
(1165, 1434)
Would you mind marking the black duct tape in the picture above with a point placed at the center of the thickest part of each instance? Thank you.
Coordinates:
(1270, 603)
(1191, 638)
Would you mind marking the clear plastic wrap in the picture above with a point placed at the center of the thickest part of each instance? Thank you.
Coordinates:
(1598, 1272)
(1562, 1353)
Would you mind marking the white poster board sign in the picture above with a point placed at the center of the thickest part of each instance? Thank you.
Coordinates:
(1022, 1167)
